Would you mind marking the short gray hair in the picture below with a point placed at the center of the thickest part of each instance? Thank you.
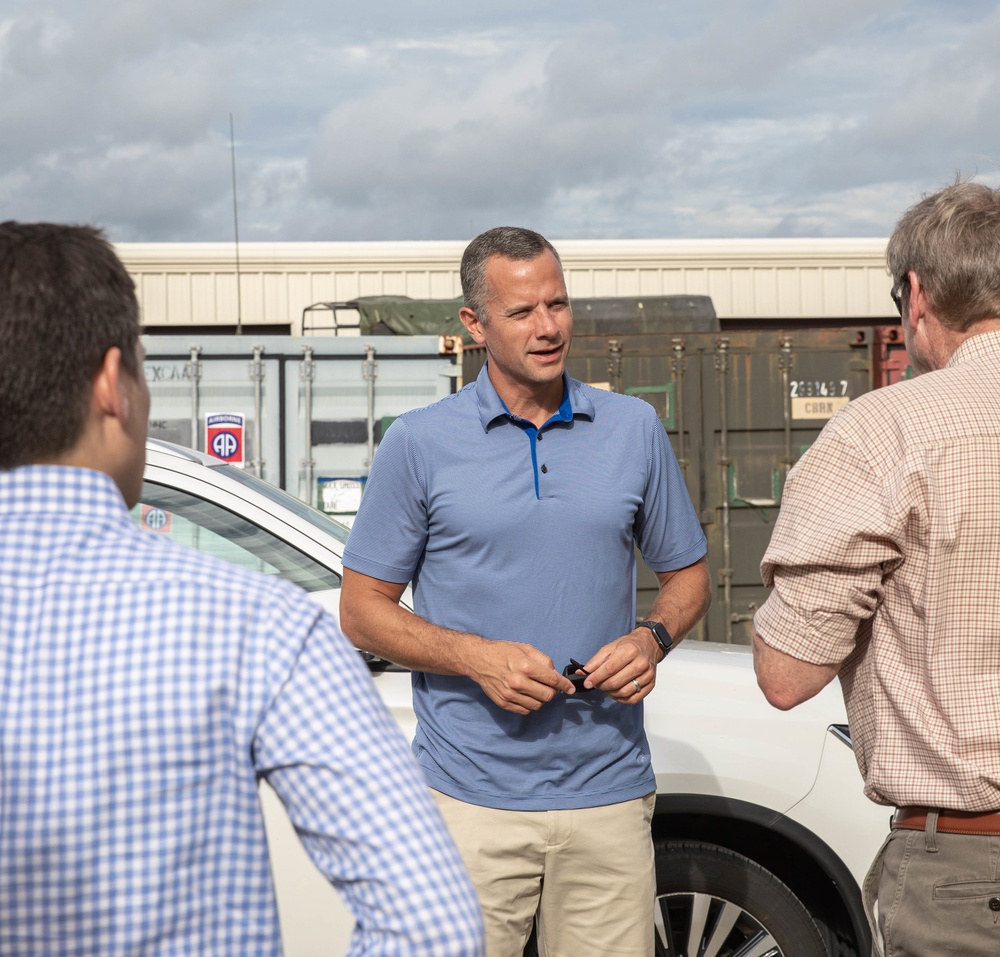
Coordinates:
(951, 240)
(510, 242)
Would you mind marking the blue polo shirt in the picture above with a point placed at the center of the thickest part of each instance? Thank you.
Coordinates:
(526, 534)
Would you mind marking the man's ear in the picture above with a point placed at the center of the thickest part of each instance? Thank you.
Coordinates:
(916, 308)
(108, 397)
(471, 322)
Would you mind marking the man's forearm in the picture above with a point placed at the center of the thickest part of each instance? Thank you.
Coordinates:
(684, 597)
(788, 681)
(514, 675)
(375, 621)
(625, 668)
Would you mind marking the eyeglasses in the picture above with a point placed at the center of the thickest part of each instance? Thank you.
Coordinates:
(896, 293)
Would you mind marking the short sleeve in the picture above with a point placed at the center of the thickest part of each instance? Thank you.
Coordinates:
(667, 530)
(390, 530)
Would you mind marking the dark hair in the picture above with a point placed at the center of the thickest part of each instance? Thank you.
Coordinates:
(511, 242)
(951, 240)
(65, 300)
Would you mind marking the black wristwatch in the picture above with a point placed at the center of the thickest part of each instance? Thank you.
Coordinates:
(661, 635)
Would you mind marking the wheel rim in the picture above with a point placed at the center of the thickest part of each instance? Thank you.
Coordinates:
(701, 925)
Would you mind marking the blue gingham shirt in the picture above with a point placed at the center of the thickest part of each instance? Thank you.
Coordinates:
(144, 688)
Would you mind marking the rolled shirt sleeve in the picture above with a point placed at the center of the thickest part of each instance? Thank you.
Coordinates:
(836, 538)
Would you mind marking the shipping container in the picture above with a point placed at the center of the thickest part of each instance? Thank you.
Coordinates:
(740, 408)
(302, 413)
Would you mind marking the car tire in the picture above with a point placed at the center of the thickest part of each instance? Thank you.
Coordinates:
(713, 902)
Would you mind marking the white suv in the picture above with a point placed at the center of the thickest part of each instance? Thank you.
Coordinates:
(762, 832)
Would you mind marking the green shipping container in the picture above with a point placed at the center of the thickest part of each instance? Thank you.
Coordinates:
(740, 409)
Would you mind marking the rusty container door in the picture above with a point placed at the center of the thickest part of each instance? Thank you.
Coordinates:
(740, 409)
(765, 398)
(892, 364)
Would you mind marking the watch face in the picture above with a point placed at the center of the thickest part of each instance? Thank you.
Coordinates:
(660, 633)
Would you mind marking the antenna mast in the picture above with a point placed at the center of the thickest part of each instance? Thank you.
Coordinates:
(236, 228)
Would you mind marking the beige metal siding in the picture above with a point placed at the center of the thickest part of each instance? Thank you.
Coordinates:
(183, 284)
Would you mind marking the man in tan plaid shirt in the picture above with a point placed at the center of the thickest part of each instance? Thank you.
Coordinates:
(885, 567)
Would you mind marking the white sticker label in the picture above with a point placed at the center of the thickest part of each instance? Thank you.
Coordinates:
(341, 495)
(818, 408)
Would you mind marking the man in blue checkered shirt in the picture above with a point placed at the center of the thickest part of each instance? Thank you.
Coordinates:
(145, 688)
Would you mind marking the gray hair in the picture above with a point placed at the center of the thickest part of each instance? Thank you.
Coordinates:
(951, 240)
(510, 242)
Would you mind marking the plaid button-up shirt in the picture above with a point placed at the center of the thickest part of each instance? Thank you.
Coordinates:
(143, 689)
(886, 557)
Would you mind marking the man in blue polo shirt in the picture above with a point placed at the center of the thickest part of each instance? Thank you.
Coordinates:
(513, 506)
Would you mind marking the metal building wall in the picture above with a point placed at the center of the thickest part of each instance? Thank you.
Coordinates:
(195, 284)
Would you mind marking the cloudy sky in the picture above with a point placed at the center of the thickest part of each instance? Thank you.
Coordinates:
(435, 120)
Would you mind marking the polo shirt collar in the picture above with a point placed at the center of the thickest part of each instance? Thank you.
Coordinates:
(575, 401)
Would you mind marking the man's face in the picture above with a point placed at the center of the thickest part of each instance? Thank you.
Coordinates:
(919, 361)
(137, 392)
(530, 324)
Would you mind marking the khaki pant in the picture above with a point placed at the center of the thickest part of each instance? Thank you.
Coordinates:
(596, 866)
(937, 894)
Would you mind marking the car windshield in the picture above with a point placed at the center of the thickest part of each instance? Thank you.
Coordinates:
(299, 508)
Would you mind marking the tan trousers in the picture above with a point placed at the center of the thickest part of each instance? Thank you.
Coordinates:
(931, 894)
(596, 865)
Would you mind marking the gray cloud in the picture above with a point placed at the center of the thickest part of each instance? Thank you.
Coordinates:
(395, 121)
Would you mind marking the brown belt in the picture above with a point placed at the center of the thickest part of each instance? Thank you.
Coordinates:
(949, 822)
